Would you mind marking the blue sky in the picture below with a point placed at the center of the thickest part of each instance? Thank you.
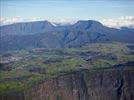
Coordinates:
(66, 9)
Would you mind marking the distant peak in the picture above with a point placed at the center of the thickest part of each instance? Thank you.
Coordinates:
(86, 24)
(87, 21)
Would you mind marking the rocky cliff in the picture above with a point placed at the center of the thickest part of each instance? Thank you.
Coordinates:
(104, 84)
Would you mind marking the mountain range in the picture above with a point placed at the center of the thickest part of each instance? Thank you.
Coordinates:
(43, 34)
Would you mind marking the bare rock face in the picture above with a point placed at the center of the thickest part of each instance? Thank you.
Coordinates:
(109, 84)
(104, 84)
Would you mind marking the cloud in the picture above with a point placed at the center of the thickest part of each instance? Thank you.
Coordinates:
(127, 21)
(4, 21)
(64, 21)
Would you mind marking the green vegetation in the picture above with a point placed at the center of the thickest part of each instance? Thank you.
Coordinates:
(33, 67)
(11, 86)
(66, 65)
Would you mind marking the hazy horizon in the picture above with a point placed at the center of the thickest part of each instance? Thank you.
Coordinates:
(110, 12)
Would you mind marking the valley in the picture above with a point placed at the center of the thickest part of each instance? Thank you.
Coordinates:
(29, 69)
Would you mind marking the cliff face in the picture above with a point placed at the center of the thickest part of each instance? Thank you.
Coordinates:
(108, 84)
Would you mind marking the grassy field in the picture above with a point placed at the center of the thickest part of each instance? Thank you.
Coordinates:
(30, 68)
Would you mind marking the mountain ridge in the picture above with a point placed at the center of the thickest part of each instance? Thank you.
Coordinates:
(44, 34)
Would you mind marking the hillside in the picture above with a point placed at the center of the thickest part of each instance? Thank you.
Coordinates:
(43, 34)
(99, 71)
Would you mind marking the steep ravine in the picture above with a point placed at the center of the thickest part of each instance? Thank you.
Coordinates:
(104, 84)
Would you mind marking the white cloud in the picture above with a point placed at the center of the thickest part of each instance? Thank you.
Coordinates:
(127, 21)
(64, 21)
(4, 21)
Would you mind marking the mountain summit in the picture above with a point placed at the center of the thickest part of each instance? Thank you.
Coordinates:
(44, 34)
(26, 28)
